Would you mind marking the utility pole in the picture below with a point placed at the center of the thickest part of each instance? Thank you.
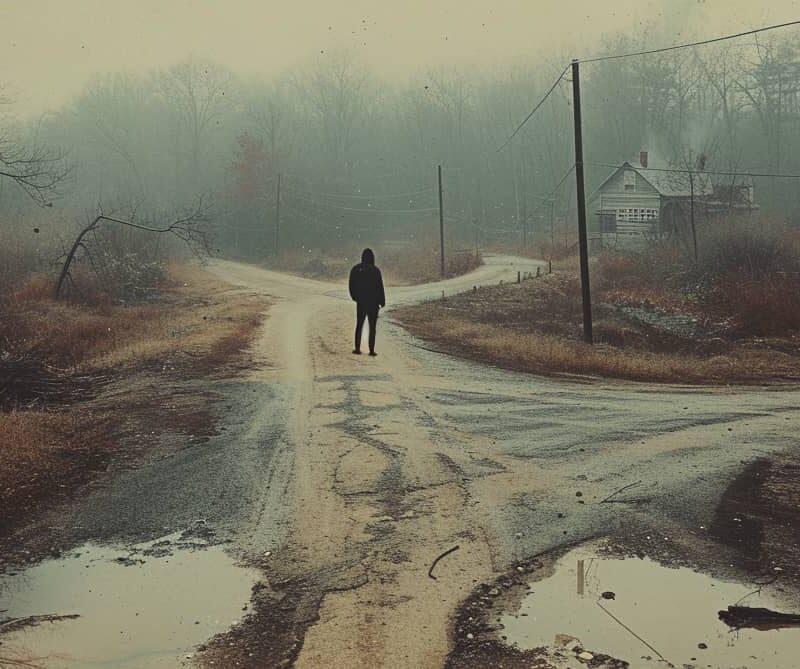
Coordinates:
(277, 216)
(583, 243)
(691, 213)
(524, 221)
(441, 221)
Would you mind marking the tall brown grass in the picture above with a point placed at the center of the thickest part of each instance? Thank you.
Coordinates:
(100, 334)
(41, 450)
(196, 329)
(554, 355)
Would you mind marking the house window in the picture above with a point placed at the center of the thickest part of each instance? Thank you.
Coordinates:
(637, 215)
(608, 222)
(630, 180)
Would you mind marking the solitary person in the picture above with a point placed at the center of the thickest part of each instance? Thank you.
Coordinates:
(366, 289)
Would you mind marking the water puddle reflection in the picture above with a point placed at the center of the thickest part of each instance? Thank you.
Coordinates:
(649, 615)
(146, 607)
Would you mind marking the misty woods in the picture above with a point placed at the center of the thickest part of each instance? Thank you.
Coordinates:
(357, 156)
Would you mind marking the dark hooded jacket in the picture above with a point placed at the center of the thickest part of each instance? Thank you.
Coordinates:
(366, 282)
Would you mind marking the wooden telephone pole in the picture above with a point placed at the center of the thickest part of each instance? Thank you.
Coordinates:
(441, 222)
(277, 217)
(583, 243)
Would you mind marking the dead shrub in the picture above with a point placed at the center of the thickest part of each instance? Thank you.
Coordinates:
(19, 258)
(764, 307)
(654, 266)
(748, 254)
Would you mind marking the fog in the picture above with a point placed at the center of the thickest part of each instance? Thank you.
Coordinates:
(152, 106)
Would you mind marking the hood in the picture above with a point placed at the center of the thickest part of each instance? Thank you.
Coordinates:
(368, 257)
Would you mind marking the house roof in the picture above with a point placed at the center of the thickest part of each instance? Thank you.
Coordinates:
(668, 184)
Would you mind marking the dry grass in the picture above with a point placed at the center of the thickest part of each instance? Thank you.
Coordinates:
(41, 453)
(188, 319)
(199, 327)
(551, 355)
(536, 327)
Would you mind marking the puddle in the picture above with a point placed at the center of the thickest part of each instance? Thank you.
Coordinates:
(146, 607)
(675, 611)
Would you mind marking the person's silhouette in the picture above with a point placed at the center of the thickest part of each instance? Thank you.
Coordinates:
(366, 289)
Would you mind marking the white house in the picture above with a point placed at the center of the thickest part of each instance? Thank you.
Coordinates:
(639, 201)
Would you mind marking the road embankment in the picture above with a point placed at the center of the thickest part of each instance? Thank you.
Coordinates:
(85, 383)
(535, 326)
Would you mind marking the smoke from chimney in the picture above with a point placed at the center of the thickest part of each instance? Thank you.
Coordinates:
(643, 158)
(701, 162)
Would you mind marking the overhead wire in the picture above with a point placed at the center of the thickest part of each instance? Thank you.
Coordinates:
(368, 210)
(534, 110)
(673, 47)
(740, 173)
(754, 31)
(360, 196)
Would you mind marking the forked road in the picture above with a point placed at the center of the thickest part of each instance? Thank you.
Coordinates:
(371, 467)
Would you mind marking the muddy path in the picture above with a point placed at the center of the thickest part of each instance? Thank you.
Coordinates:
(343, 477)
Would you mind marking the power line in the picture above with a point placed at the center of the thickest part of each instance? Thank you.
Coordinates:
(704, 171)
(534, 110)
(560, 183)
(755, 31)
(361, 197)
(368, 211)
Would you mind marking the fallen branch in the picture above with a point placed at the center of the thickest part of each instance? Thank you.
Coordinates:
(15, 624)
(436, 561)
(757, 618)
(625, 627)
(617, 492)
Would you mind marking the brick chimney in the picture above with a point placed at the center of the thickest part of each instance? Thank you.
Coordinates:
(643, 158)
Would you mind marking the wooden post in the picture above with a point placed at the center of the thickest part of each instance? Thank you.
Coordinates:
(441, 222)
(581, 576)
(277, 216)
(691, 213)
(524, 221)
(582, 237)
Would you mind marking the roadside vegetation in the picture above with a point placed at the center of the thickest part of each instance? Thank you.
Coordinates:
(80, 377)
(401, 265)
(732, 317)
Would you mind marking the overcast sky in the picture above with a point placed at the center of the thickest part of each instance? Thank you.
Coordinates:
(50, 48)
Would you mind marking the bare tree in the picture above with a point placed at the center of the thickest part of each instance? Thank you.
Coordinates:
(37, 169)
(198, 95)
(189, 228)
(339, 97)
(269, 110)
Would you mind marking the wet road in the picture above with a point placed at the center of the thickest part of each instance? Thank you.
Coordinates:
(365, 469)
(398, 458)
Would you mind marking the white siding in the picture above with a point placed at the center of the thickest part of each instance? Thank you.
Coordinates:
(614, 197)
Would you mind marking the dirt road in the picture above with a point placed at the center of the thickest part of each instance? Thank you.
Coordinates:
(396, 459)
(346, 476)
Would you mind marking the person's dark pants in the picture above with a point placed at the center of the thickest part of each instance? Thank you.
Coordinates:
(363, 311)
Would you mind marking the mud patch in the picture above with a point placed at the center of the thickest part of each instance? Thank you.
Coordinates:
(759, 516)
(282, 609)
(147, 606)
(633, 609)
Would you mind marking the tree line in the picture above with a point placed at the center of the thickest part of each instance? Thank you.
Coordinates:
(358, 154)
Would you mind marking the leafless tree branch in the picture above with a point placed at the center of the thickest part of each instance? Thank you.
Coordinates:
(189, 228)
